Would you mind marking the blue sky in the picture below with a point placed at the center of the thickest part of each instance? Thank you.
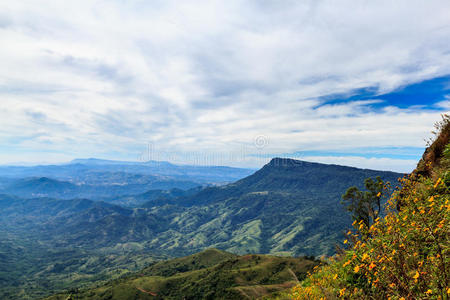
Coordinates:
(223, 82)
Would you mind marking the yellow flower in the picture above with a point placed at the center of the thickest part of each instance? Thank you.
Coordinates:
(416, 275)
(356, 269)
(345, 241)
(365, 255)
(371, 266)
(431, 199)
(379, 194)
(342, 292)
(429, 292)
(437, 182)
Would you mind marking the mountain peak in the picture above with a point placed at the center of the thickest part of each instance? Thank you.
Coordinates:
(288, 162)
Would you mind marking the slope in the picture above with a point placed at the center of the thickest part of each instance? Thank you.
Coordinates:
(211, 274)
(404, 255)
(284, 208)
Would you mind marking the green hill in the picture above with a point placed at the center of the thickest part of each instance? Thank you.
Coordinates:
(211, 274)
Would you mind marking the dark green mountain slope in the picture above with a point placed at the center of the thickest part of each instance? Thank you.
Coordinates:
(152, 198)
(34, 261)
(287, 207)
(211, 274)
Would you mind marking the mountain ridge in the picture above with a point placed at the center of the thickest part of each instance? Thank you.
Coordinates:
(285, 173)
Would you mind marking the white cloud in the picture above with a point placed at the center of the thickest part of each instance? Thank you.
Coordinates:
(110, 76)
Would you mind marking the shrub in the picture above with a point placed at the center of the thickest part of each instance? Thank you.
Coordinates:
(406, 254)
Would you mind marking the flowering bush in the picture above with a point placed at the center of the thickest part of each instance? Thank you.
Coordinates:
(404, 255)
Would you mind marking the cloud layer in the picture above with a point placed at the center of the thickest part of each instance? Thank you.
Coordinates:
(106, 78)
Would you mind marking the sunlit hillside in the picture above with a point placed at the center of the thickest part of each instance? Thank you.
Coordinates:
(406, 254)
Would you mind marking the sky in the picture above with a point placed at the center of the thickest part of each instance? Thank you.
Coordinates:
(357, 83)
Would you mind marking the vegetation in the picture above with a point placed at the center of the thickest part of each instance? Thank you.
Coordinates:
(365, 206)
(404, 255)
(282, 209)
(211, 274)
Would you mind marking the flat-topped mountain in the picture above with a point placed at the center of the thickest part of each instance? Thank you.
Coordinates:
(290, 176)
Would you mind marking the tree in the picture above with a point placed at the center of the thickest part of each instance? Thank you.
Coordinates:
(365, 205)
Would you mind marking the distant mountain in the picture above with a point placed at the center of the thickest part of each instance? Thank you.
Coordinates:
(40, 186)
(96, 161)
(109, 172)
(211, 274)
(47, 187)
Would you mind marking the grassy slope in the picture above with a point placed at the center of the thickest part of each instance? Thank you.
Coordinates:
(211, 274)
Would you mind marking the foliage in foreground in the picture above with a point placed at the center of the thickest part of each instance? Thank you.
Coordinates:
(404, 255)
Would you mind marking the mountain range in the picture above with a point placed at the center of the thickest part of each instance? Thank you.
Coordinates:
(287, 208)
